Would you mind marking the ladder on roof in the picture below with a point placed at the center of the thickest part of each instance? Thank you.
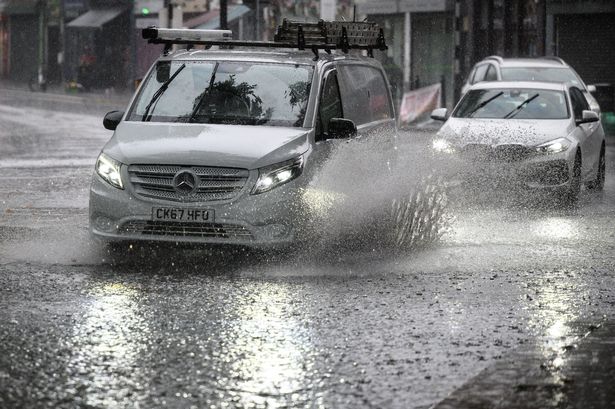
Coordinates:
(323, 35)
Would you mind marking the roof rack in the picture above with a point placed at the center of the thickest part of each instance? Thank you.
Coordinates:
(323, 35)
(554, 58)
(495, 57)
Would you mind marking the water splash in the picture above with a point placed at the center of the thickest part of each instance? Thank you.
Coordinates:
(369, 196)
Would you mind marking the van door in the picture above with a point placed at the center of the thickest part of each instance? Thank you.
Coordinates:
(328, 106)
(366, 99)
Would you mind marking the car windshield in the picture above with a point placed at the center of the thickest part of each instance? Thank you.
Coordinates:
(513, 103)
(547, 74)
(242, 93)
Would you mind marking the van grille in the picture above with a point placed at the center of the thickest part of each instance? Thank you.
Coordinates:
(156, 181)
(175, 229)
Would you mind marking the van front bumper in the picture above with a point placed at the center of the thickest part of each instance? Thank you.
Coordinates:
(267, 219)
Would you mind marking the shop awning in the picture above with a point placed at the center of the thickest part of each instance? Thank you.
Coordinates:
(211, 20)
(18, 6)
(96, 18)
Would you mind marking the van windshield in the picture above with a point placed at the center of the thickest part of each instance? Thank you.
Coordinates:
(241, 93)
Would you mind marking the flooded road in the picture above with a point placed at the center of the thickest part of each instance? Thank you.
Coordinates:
(191, 327)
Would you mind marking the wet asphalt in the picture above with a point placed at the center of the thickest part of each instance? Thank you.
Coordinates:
(514, 304)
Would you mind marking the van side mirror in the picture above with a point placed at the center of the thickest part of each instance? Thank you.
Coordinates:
(591, 89)
(588, 116)
(341, 128)
(439, 114)
(112, 120)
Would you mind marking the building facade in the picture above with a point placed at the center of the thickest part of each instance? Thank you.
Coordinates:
(579, 31)
(21, 39)
(420, 37)
(430, 41)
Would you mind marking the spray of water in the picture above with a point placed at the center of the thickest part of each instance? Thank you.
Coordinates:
(371, 195)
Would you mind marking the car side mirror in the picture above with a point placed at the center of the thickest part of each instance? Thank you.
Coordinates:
(439, 114)
(591, 89)
(341, 128)
(113, 119)
(588, 116)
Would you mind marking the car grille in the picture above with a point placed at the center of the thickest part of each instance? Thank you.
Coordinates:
(156, 181)
(549, 173)
(175, 229)
(499, 153)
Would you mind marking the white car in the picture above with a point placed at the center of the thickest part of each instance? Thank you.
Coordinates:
(548, 69)
(537, 135)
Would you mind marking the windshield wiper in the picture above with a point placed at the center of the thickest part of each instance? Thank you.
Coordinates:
(519, 107)
(159, 92)
(482, 104)
(206, 92)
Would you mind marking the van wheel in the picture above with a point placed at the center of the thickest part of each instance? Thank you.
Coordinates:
(598, 183)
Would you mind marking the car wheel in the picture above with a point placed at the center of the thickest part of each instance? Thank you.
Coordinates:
(570, 196)
(598, 183)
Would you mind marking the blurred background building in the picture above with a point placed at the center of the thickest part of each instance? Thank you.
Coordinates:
(430, 41)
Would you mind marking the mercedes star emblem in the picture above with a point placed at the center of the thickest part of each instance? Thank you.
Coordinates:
(185, 182)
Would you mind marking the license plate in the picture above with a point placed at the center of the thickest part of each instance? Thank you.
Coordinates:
(182, 215)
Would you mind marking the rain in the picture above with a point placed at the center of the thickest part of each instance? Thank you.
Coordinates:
(408, 284)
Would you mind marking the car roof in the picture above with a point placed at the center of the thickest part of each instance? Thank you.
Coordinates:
(552, 86)
(528, 62)
(279, 56)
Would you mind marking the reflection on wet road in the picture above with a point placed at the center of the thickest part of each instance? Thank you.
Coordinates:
(335, 327)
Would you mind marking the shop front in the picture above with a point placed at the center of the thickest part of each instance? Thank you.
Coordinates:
(98, 46)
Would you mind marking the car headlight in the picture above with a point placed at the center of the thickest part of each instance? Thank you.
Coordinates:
(273, 176)
(556, 146)
(442, 145)
(109, 170)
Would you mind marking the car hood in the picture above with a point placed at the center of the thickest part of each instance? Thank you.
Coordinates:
(239, 146)
(463, 131)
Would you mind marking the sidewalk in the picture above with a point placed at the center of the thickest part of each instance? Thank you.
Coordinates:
(573, 375)
(97, 102)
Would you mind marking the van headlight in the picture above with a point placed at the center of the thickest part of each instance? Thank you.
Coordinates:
(555, 146)
(109, 170)
(276, 175)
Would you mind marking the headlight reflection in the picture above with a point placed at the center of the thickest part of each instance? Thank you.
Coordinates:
(559, 307)
(556, 228)
(108, 342)
(274, 352)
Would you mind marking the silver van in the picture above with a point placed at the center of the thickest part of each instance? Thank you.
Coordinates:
(218, 146)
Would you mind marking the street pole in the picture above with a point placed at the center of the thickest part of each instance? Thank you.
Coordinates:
(132, 70)
(407, 82)
(42, 45)
(169, 13)
(224, 15)
(62, 56)
(258, 20)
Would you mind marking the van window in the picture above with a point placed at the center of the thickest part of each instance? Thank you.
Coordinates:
(330, 103)
(365, 94)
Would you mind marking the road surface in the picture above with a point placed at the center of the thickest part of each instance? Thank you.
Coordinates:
(514, 304)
